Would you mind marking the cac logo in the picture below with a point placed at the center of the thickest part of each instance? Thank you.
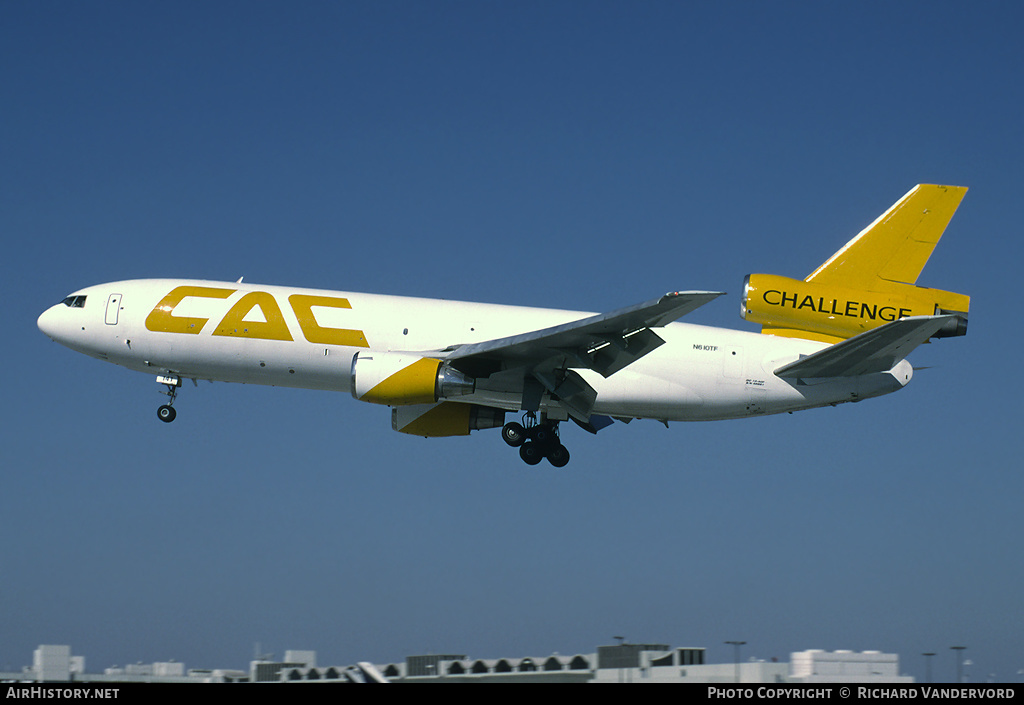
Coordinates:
(273, 326)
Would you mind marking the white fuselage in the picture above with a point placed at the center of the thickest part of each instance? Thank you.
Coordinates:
(307, 338)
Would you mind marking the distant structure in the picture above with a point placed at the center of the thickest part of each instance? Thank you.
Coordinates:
(817, 666)
(618, 663)
(55, 663)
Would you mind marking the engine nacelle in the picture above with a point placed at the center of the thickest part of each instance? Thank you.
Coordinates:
(399, 379)
(791, 307)
(448, 418)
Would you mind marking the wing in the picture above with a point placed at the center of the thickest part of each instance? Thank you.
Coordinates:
(604, 343)
(543, 360)
(877, 350)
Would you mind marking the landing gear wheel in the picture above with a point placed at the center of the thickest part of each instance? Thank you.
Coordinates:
(530, 453)
(543, 434)
(514, 434)
(558, 456)
(166, 413)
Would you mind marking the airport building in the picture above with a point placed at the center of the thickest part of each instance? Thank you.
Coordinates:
(620, 663)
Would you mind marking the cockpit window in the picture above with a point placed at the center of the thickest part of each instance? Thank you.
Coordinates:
(74, 302)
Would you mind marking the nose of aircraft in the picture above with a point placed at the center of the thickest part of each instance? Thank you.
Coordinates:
(59, 324)
(49, 322)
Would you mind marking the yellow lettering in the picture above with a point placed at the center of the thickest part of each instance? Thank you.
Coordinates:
(273, 328)
(302, 305)
(160, 319)
(273, 325)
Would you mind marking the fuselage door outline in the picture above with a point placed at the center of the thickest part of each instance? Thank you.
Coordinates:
(113, 306)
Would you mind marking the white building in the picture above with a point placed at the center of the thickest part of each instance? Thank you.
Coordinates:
(620, 663)
(817, 666)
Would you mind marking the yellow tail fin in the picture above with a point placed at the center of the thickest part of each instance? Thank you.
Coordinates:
(895, 248)
(870, 281)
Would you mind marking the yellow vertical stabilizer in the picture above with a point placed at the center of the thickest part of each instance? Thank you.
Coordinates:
(871, 281)
(895, 248)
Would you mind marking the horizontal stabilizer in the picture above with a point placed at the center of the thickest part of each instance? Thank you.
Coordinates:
(878, 350)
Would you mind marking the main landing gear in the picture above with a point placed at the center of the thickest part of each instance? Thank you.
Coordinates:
(166, 412)
(536, 441)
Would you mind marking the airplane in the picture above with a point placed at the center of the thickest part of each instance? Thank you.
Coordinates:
(446, 368)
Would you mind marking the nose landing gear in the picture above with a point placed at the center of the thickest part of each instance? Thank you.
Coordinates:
(536, 441)
(166, 412)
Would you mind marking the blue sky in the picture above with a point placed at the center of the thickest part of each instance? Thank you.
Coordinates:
(573, 155)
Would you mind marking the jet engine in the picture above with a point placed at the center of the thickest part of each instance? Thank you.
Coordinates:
(794, 308)
(448, 418)
(400, 379)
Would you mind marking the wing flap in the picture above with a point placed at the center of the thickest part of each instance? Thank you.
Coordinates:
(572, 392)
(877, 350)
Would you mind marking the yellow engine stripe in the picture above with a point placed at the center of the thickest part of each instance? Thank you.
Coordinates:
(414, 384)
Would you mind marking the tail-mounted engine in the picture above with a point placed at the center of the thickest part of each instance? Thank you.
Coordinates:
(794, 308)
(870, 281)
